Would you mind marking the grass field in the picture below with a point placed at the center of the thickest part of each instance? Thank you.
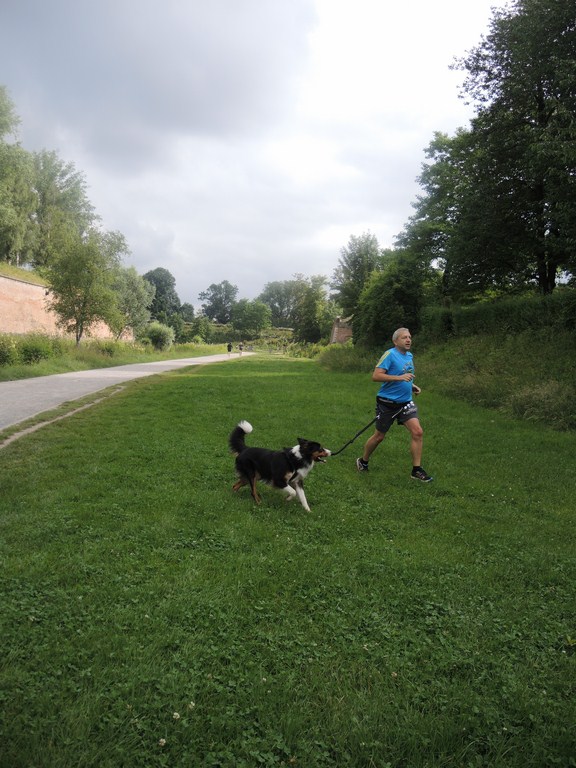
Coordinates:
(152, 617)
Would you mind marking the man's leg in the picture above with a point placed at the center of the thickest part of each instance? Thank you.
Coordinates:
(416, 440)
(371, 444)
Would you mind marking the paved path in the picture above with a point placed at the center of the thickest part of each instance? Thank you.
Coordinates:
(20, 400)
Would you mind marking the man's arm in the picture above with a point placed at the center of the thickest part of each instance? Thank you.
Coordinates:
(381, 375)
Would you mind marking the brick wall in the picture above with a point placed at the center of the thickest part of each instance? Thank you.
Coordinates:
(23, 309)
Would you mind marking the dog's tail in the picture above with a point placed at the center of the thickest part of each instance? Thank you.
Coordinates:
(236, 439)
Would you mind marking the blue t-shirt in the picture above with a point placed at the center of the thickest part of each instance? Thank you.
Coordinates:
(396, 363)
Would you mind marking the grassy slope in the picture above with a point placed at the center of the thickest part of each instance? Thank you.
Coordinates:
(21, 274)
(398, 624)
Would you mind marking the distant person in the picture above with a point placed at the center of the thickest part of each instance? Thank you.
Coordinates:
(240, 348)
(229, 347)
(395, 372)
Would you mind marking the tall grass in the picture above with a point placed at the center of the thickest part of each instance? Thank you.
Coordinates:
(152, 617)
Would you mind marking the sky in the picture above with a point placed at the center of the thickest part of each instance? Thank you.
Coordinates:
(241, 140)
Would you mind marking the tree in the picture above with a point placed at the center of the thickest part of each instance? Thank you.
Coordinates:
(250, 318)
(391, 298)
(282, 297)
(61, 201)
(166, 302)
(218, 300)
(81, 279)
(357, 261)
(17, 202)
(16, 187)
(314, 314)
(523, 79)
(9, 120)
(187, 312)
(134, 295)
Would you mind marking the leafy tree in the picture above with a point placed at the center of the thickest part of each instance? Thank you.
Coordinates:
(314, 313)
(391, 298)
(16, 188)
(9, 120)
(357, 261)
(250, 318)
(166, 302)
(134, 296)
(61, 201)
(282, 297)
(17, 203)
(81, 279)
(499, 210)
(523, 79)
(187, 312)
(218, 300)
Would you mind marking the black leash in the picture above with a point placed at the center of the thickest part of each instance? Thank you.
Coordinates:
(354, 438)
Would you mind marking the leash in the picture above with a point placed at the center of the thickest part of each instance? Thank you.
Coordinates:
(354, 438)
(364, 430)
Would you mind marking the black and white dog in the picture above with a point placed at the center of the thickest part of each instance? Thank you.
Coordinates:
(285, 469)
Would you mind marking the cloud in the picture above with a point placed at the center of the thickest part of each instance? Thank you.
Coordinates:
(240, 140)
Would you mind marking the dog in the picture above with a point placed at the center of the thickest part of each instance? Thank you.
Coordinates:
(285, 469)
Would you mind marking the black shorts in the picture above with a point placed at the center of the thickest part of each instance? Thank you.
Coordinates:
(387, 411)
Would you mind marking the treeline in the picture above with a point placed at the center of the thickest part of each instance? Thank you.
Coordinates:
(497, 213)
(496, 217)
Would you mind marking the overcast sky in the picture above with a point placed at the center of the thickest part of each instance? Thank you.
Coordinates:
(240, 140)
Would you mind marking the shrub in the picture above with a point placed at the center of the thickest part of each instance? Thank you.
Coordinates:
(34, 348)
(8, 350)
(105, 347)
(161, 336)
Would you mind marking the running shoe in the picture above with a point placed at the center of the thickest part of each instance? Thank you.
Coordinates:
(420, 474)
(361, 466)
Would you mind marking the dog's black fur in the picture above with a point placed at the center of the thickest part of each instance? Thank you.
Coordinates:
(285, 469)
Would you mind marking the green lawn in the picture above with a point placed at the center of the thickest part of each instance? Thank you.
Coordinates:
(152, 617)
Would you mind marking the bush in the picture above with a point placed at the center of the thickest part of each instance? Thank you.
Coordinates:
(161, 336)
(107, 348)
(8, 350)
(34, 348)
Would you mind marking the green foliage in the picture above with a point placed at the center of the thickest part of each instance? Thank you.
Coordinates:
(134, 295)
(499, 203)
(218, 301)
(249, 318)
(357, 262)
(283, 297)
(82, 278)
(556, 311)
(314, 313)
(161, 336)
(151, 616)
(8, 350)
(391, 299)
(165, 300)
(530, 375)
(33, 348)
(346, 358)
(62, 206)
(9, 120)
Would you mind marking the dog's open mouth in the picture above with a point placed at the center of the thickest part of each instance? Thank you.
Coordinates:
(321, 457)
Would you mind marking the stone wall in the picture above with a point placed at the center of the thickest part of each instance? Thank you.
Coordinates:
(341, 331)
(23, 309)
